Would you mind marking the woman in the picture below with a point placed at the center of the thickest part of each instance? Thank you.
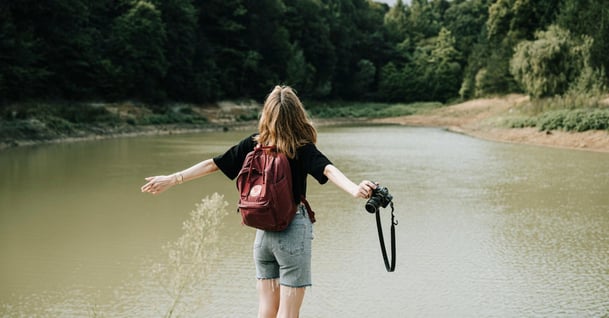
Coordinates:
(282, 276)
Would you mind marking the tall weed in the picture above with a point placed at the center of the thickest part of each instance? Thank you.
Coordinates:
(188, 258)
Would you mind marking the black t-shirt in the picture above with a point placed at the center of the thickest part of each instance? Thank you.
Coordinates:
(309, 160)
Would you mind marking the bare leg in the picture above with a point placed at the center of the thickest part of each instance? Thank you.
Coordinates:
(290, 302)
(268, 298)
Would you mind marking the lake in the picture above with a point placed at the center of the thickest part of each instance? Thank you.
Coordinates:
(485, 229)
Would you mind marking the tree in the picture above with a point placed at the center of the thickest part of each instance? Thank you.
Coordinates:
(58, 35)
(221, 48)
(138, 44)
(21, 72)
(466, 21)
(396, 22)
(180, 21)
(363, 79)
(393, 84)
(268, 47)
(509, 22)
(423, 21)
(547, 66)
(299, 72)
(308, 25)
(588, 17)
(437, 68)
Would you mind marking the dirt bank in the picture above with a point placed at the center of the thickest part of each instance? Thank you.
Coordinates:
(125, 119)
(482, 118)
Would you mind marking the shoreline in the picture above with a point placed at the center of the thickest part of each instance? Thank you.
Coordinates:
(482, 118)
(479, 118)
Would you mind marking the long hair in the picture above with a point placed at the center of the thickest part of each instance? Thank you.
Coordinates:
(284, 122)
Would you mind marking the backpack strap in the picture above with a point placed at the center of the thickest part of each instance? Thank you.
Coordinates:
(303, 199)
(308, 206)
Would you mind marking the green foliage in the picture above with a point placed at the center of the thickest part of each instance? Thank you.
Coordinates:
(393, 84)
(589, 18)
(579, 120)
(138, 51)
(522, 122)
(170, 117)
(180, 21)
(571, 100)
(466, 20)
(423, 21)
(519, 19)
(444, 68)
(300, 73)
(206, 50)
(574, 120)
(76, 113)
(396, 22)
(509, 22)
(434, 74)
(551, 63)
(367, 110)
(364, 78)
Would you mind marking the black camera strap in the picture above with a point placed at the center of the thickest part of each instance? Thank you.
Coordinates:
(394, 222)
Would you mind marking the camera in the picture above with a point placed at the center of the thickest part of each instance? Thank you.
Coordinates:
(380, 198)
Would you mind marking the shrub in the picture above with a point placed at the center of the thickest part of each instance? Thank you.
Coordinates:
(522, 122)
(551, 120)
(574, 120)
(595, 120)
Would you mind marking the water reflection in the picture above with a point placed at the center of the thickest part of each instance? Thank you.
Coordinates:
(486, 229)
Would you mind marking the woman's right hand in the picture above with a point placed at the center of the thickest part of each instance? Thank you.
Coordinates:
(365, 189)
(158, 184)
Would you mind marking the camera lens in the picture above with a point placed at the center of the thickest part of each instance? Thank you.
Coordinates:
(372, 205)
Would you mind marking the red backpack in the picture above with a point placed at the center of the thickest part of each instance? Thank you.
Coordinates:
(265, 185)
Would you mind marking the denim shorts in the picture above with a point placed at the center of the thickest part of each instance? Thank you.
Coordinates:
(287, 254)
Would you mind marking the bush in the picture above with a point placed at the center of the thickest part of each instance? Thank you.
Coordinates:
(551, 120)
(594, 120)
(170, 118)
(59, 125)
(574, 120)
(84, 113)
(522, 122)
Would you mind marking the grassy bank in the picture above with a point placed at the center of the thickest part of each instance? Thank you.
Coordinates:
(572, 113)
(40, 122)
(331, 110)
(515, 119)
(512, 118)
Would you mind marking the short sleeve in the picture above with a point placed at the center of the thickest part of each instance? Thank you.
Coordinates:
(314, 162)
(231, 161)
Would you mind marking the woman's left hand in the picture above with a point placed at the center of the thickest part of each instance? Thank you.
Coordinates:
(158, 184)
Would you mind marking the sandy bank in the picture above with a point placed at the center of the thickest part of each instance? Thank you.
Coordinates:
(482, 118)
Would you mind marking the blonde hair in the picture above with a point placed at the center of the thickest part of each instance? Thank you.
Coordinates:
(284, 122)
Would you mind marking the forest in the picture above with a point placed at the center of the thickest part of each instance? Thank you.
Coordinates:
(199, 51)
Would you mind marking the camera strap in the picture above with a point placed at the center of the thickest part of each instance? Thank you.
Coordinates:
(394, 222)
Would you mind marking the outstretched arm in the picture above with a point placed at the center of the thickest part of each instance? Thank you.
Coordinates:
(363, 190)
(158, 184)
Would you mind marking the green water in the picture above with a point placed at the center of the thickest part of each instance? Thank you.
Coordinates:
(485, 229)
